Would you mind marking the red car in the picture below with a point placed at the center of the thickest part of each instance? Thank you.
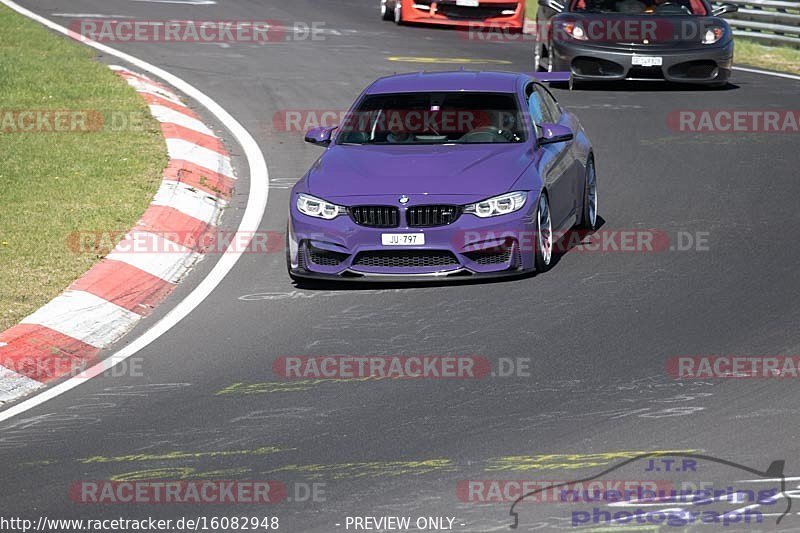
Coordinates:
(496, 13)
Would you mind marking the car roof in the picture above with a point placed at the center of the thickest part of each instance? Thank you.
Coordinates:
(462, 80)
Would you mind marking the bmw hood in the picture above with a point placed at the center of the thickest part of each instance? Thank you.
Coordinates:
(469, 169)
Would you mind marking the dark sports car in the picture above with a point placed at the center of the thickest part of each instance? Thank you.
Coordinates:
(674, 40)
(442, 174)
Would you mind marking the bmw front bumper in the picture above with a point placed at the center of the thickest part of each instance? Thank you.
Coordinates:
(470, 247)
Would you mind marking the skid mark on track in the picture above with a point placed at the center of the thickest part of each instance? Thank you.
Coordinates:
(744, 139)
(46, 428)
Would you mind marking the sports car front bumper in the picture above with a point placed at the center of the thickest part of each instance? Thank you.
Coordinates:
(494, 13)
(710, 64)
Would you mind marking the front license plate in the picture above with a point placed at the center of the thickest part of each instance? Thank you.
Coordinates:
(647, 61)
(402, 239)
(468, 3)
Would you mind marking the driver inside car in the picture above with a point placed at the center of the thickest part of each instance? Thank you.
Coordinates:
(399, 135)
(631, 6)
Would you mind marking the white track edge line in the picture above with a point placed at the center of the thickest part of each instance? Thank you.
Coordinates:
(768, 73)
(251, 220)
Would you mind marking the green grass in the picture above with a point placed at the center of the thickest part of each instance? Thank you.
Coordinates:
(778, 58)
(52, 184)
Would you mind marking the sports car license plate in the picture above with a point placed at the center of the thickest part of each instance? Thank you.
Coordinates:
(468, 3)
(647, 61)
(402, 239)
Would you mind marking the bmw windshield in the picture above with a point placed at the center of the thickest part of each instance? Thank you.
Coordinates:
(434, 118)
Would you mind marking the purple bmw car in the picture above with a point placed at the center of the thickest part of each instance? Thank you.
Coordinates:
(439, 175)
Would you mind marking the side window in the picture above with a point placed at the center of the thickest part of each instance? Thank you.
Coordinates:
(552, 112)
(535, 105)
(536, 108)
(542, 107)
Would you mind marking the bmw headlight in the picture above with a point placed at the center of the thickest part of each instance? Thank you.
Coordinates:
(317, 207)
(498, 205)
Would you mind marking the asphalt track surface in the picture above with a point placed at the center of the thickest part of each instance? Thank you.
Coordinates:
(598, 328)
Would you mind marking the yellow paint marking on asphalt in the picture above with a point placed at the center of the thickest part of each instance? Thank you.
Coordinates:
(449, 60)
(176, 455)
(367, 469)
(270, 387)
(43, 462)
(573, 461)
(178, 474)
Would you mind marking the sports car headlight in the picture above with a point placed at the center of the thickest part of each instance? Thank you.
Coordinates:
(713, 34)
(317, 207)
(574, 30)
(498, 205)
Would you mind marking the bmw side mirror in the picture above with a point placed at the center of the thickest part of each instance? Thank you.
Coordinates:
(722, 9)
(558, 7)
(320, 136)
(554, 133)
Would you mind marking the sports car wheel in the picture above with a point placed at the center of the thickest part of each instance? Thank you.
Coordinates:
(386, 14)
(544, 235)
(398, 12)
(537, 58)
(589, 212)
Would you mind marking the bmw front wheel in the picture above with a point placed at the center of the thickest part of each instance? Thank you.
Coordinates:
(544, 235)
(589, 211)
